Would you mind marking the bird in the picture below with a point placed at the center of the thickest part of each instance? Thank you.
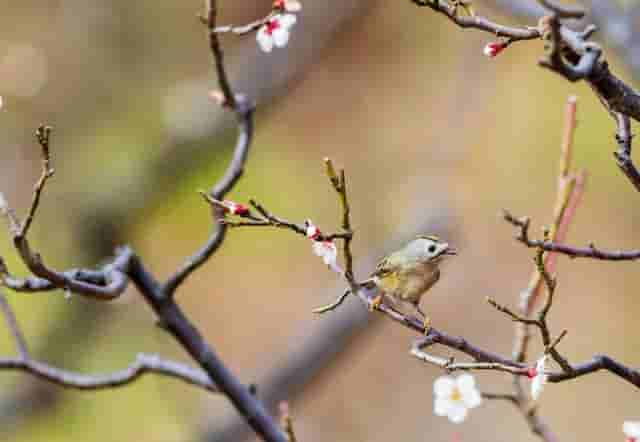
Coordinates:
(407, 274)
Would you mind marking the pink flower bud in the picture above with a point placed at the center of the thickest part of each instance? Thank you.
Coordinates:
(494, 48)
(532, 372)
(235, 208)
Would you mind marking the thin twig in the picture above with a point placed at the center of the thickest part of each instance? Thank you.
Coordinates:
(450, 365)
(334, 305)
(339, 183)
(143, 364)
(623, 154)
(500, 397)
(480, 23)
(591, 251)
(14, 327)
(43, 135)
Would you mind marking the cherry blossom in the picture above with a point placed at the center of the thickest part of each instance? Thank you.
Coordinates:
(538, 377)
(631, 430)
(325, 249)
(455, 396)
(275, 32)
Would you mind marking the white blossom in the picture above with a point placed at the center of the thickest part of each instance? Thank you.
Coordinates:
(328, 251)
(275, 32)
(538, 377)
(287, 5)
(631, 430)
(455, 396)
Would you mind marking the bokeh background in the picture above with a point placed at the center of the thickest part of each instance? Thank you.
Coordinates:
(434, 136)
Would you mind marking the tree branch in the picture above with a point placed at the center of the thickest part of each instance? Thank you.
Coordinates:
(143, 364)
(591, 251)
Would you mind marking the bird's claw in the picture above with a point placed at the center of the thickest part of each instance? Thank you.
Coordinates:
(427, 325)
(375, 303)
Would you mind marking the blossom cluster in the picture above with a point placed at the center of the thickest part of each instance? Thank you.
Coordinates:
(275, 31)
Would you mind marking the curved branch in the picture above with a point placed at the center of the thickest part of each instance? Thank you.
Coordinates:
(480, 23)
(244, 112)
(143, 364)
(599, 362)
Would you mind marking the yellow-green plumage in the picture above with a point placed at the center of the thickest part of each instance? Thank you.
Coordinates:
(406, 275)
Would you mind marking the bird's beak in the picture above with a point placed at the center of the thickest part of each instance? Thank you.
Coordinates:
(450, 251)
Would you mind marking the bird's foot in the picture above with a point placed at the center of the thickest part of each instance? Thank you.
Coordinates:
(375, 303)
(427, 325)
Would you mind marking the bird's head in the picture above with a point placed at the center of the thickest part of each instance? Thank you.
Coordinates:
(432, 248)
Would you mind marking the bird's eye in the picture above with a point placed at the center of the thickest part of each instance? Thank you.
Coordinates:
(431, 248)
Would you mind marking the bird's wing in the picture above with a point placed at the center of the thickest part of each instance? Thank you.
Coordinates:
(385, 266)
(386, 273)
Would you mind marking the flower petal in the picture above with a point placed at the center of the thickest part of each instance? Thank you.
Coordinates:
(457, 413)
(280, 37)
(441, 406)
(472, 398)
(287, 20)
(537, 385)
(541, 364)
(631, 429)
(292, 5)
(443, 387)
(264, 40)
(466, 383)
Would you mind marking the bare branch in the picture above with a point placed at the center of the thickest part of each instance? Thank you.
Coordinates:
(143, 364)
(339, 184)
(623, 154)
(480, 23)
(244, 112)
(450, 364)
(334, 305)
(599, 362)
(43, 134)
(591, 251)
(501, 397)
(14, 327)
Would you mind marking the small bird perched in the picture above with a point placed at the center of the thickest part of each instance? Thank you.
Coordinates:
(410, 272)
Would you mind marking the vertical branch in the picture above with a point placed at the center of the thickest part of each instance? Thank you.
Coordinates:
(14, 328)
(623, 154)
(218, 56)
(568, 195)
(43, 134)
(340, 186)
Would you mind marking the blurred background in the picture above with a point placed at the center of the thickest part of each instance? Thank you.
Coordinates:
(435, 138)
